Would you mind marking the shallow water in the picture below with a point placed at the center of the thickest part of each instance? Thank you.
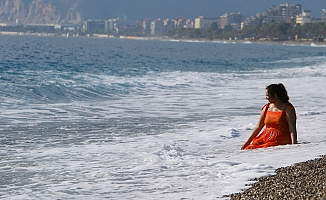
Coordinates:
(122, 119)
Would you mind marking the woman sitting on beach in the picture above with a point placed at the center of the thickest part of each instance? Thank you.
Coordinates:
(279, 117)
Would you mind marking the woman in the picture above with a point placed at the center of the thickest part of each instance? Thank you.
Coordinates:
(279, 117)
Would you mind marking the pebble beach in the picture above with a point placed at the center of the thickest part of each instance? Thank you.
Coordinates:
(305, 180)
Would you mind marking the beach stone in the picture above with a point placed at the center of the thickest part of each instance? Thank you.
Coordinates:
(305, 180)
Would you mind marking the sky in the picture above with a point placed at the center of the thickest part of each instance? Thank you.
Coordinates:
(140, 9)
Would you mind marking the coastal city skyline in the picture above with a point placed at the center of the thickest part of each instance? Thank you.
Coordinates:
(76, 11)
(190, 9)
(293, 14)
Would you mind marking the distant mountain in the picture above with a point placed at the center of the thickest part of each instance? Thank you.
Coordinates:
(40, 11)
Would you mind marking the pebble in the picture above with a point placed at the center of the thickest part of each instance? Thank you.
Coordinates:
(305, 180)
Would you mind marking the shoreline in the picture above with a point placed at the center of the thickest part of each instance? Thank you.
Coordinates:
(304, 180)
(285, 42)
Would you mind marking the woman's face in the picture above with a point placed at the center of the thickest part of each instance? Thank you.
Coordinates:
(270, 98)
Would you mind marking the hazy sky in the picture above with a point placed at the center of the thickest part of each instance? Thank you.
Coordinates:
(139, 9)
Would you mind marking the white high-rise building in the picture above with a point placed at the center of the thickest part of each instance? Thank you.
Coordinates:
(323, 16)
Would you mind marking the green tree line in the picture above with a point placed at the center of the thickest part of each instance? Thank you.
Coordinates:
(276, 31)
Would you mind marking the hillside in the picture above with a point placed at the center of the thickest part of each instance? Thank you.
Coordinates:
(40, 11)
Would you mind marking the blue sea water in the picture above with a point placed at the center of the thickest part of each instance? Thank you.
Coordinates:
(101, 118)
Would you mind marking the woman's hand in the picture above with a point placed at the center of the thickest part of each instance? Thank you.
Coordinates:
(259, 126)
(245, 145)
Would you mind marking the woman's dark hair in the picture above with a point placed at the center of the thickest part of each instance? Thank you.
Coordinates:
(279, 90)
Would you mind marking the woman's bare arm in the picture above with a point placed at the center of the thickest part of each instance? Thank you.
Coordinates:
(256, 129)
(292, 121)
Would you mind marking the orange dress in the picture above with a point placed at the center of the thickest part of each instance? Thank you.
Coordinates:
(276, 130)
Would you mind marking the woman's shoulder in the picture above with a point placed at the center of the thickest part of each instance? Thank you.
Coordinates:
(289, 106)
(266, 106)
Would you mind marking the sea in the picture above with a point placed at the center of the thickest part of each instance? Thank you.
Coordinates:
(98, 118)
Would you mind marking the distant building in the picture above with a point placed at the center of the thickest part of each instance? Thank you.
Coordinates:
(183, 23)
(235, 26)
(253, 20)
(282, 13)
(147, 26)
(94, 26)
(157, 27)
(205, 22)
(19, 22)
(40, 27)
(306, 17)
(109, 25)
(189, 24)
(275, 14)
(58, 27)
(123, 24)
(68, 27)
(119, 25)
(168, 25)
(233, 19)
(323, 15)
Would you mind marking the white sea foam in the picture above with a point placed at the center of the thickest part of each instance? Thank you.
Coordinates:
(201, 161)
(170, 135)
(317, 45)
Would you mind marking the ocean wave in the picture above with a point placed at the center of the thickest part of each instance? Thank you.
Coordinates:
(152, 93)
(311, 113)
